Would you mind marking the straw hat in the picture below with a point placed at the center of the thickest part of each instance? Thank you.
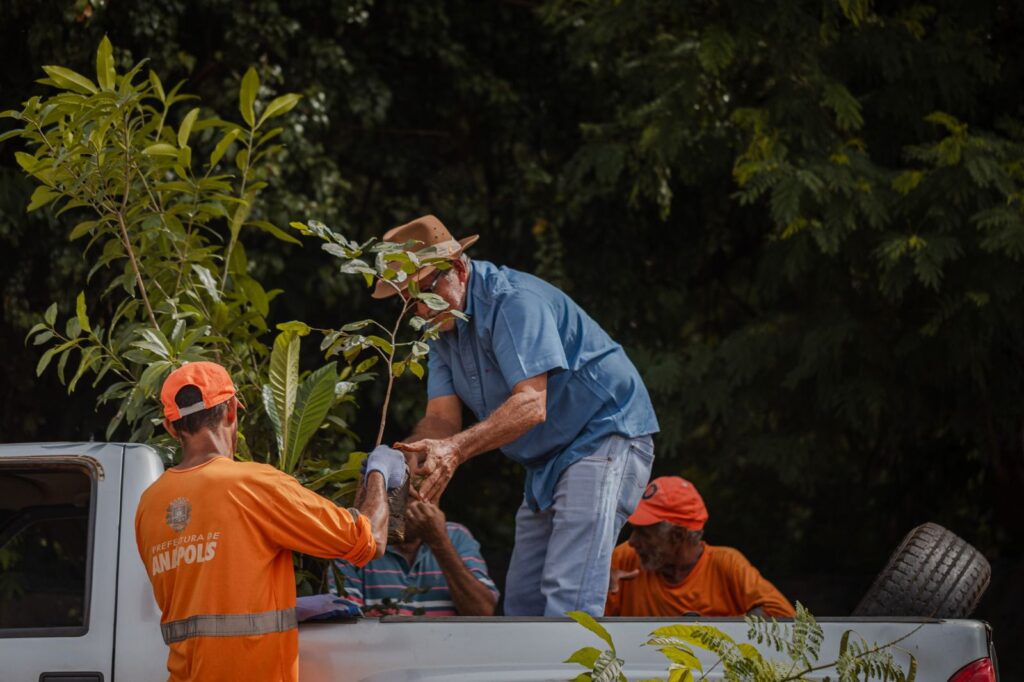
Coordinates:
(428, 231)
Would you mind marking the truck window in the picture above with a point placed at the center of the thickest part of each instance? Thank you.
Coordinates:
(44, 550)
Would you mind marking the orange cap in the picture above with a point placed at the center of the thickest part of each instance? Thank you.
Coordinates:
(672, 499)
(211, 379)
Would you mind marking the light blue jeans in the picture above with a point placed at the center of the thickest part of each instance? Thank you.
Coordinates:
(562, 556)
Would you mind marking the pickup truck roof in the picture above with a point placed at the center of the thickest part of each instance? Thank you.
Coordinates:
(76, 604)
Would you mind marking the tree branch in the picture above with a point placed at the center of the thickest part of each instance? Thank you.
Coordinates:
(391, 376)
(124, 231)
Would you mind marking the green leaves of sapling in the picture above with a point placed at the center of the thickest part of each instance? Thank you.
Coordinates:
(247, 96)
(118, 150)
(105, 73)
(602, 665)
(279, 106)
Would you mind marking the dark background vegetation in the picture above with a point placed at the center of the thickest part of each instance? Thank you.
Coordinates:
(819, 280)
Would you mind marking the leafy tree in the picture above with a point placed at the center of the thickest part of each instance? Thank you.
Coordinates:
(106, 152)
(821, 202)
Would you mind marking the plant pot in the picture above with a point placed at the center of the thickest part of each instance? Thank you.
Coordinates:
(398, 498)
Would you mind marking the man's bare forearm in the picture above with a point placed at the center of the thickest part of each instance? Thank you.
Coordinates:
(514, 417)
(372, 502)
(470, 596)
(432, 426)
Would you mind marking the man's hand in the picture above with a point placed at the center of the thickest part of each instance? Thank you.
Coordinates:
(390, 463)
(618, 575)
(426, 520)
(438, 461)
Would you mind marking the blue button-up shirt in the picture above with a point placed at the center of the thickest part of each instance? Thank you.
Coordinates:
(520, 327)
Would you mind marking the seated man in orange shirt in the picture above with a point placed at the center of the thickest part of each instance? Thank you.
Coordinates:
(666, 568)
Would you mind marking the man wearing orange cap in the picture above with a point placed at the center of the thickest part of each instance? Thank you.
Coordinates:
(555, 393)
(666, 568)
(216, 537)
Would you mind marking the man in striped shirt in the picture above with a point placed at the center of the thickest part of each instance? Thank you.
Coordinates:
(438, 571)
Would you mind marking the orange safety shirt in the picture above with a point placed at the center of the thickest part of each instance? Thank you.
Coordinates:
(722, 583)
(216, 540)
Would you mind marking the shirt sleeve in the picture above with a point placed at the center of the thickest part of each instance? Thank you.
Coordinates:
(354, 586)
(469, 551)
(525, 338)
(298, 519)
(753, 590)
(439, 375)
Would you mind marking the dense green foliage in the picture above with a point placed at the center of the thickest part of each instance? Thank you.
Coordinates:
(802, 219)
(103, 153)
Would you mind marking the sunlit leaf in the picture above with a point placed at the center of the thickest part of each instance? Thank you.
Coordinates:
(222, 146)
(284, 382)
(585, 656)
(277, 232)
(80, 313)
(186, 127)
(314, 399)
(587, 621)
(247, 95)
(279, 106)
(70, 80)
(105, 73)
(161, 149)
(158, 88)
(297, 327)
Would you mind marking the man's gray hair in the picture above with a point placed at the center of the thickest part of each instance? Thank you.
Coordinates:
(465, 261)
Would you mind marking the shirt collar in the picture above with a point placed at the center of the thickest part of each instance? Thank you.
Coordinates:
(399, 556)
(472, 291)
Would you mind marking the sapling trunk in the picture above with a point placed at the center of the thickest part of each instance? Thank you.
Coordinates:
(398, 498)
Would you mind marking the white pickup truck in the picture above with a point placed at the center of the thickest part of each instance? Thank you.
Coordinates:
(76, 605)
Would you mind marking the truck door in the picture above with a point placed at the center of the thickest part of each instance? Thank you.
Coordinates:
(59, 518)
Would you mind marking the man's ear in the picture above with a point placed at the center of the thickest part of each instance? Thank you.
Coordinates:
(231, 414)
(171, 430)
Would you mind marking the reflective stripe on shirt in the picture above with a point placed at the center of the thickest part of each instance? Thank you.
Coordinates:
(229, 625)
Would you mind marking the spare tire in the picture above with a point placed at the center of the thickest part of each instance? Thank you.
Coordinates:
(932, 574)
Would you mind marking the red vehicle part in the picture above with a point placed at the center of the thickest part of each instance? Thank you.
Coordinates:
(980, 670)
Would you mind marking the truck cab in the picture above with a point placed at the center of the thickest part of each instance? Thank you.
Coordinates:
(75, 602)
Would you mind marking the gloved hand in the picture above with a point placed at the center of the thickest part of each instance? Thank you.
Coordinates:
(390, 463)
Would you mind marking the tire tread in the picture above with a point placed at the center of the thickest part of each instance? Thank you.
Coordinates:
(932, 573)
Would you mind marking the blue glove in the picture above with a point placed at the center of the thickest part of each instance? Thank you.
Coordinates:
(390, 463)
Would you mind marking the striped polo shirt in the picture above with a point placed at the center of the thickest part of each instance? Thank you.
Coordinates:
(391, 585)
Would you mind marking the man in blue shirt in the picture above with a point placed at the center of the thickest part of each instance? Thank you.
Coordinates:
(555, 393)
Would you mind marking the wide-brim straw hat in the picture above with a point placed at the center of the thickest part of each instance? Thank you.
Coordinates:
(427, 231)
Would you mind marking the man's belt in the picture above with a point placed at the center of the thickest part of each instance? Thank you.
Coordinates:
(229, 625)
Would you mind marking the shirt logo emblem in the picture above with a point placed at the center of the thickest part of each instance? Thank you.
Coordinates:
(651, 491)
(179, 512)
